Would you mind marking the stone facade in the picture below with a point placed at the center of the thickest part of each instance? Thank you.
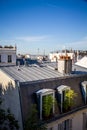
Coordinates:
(7, 56)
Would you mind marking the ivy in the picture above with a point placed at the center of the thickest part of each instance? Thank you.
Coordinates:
(69, 99)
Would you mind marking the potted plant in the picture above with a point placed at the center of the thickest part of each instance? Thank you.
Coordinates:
(69, 99)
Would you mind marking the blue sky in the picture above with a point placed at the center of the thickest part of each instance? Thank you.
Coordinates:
(49, 25)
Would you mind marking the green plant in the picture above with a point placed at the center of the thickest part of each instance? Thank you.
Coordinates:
(69, 99)
(32, 122)
(47, 105)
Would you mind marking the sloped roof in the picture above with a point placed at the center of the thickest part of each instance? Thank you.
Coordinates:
(27, 74)
(82, 62)
(34, 74)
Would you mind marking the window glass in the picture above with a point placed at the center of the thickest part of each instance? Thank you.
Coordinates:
(51, 128)
(59, 126)
(9, 58)
(65, 125)
(61, 96)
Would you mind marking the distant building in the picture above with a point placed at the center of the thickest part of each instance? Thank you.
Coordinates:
(27, 56)
(55, 56)
(7, 56)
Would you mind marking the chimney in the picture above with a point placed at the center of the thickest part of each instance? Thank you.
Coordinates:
(65, 64)
(77, 55)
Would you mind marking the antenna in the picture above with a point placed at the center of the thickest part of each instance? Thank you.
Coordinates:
(15, 46)
(38, 52)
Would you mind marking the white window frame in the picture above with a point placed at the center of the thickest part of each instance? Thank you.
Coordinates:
(60, 90)
(44, 92)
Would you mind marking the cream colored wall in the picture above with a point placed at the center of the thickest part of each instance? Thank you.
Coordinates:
(53, 55)
(10, 95)
(77, 121)
(61, 66)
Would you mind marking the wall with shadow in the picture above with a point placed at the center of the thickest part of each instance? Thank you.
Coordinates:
(10, 95)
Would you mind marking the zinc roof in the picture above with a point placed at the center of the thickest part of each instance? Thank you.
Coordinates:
(24, 74)
(82, 62)
(36, 73)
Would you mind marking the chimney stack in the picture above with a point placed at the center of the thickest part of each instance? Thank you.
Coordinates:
(65, 64)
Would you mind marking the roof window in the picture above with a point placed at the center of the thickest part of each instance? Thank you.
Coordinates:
(84, 90)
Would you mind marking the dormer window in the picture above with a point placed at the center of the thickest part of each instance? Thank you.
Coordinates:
(67, 98)
(45, 101)
(61, 95)
(84, 90)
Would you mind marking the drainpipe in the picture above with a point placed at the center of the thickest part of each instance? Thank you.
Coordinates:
(41, 106)
(18, 85)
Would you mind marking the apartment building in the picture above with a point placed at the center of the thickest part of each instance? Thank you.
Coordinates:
(56, 56)
(7, 55)
(22, 86)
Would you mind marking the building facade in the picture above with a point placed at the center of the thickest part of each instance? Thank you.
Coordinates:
(23, 86)
(56, 56)
(7, 56)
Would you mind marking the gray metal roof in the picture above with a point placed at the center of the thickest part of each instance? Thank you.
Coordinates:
(24, 74)
(27, 74)
(51, 65)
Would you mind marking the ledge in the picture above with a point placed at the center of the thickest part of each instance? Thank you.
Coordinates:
(65, 114)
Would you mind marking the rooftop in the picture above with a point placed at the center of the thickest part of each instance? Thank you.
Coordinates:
(82, 62)
(7, 48)
(37, 73)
